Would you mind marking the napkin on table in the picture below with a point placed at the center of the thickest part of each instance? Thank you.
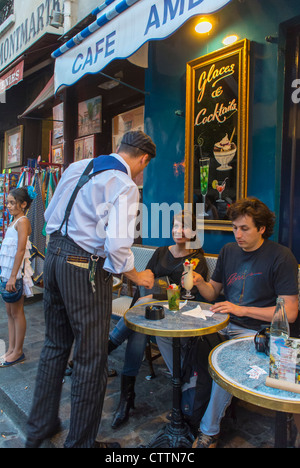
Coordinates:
(197, 312)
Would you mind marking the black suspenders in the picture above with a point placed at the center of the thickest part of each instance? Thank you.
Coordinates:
(85, 177)
(99, 164)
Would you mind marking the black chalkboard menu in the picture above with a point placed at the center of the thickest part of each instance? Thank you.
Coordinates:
(217, 132)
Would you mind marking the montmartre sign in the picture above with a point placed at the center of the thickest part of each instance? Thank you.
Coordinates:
(126, 33)
(28, 24)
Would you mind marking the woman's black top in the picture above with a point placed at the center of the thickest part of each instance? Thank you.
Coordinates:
(164, 264)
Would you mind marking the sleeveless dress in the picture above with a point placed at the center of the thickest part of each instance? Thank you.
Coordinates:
(7, 257)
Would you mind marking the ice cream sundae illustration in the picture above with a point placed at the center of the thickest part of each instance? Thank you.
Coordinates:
(224, 152)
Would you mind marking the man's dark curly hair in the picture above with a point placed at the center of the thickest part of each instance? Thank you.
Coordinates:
(262, 216)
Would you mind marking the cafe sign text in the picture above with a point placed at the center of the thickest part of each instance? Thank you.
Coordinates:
(126, 33)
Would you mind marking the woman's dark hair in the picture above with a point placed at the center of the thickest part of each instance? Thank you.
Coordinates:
(262, 216)
(188, 220)
(21, 195)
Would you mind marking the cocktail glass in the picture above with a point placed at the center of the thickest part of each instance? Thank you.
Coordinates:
(188, 281)
(220, 186)
(204, 173)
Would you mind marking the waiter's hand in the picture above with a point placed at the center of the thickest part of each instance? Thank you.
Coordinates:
(141, 278)
(146, 278)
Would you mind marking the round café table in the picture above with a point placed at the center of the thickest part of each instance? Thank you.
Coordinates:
(176, 325)
(117, 283)
(230, 364)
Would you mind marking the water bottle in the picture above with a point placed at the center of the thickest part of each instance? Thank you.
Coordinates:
(280, 325)
(279, 333)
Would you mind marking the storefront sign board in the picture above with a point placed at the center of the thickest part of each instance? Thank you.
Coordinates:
(126, 33)
(31, 22)
(12, 77)
(217, 116)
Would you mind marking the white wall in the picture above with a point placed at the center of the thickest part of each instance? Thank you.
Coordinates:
(86, 7)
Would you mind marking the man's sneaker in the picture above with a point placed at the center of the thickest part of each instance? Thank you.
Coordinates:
(205, 441)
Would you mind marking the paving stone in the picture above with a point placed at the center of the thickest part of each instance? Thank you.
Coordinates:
(250, 427)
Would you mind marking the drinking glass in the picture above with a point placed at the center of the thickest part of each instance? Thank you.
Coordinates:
(173, 298)
(188, 281)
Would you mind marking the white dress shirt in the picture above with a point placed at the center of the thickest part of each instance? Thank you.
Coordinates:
(103, 216)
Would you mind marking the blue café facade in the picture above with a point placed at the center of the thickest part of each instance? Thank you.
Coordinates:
(261, 105)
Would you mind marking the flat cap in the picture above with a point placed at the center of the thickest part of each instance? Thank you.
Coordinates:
(140, 140)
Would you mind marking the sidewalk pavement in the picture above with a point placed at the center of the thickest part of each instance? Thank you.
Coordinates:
(250, 428)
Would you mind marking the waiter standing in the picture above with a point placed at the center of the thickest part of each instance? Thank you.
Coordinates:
(89, 221)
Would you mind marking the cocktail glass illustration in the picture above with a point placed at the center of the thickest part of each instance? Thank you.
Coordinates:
(204, 173)
(220, 187)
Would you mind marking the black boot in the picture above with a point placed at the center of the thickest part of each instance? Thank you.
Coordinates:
(126, 401)
(111, 347)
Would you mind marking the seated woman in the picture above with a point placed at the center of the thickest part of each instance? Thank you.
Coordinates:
(166, 262)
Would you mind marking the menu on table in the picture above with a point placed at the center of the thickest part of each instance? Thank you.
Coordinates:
(284, 368)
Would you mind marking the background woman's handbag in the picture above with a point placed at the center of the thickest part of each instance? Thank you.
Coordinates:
(11, 297)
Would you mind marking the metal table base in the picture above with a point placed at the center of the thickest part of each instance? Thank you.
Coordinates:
(177, 433)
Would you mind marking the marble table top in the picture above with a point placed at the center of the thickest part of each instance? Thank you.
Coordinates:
(176, 324)
(230, 364)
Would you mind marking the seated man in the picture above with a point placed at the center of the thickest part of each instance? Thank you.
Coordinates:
(253, 272)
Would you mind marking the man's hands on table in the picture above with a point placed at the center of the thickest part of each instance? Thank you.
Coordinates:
(210, 291)
(227, 308)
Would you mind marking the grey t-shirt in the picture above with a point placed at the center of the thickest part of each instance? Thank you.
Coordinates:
(256, 279)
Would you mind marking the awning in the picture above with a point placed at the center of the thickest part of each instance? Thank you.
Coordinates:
(121, 31)
(12, 77)
(46, 94)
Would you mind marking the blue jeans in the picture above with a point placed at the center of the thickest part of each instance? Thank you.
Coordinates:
(135, 348)
(219, 398)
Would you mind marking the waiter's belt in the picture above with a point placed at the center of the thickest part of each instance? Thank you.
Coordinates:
(81, 261)
(78, 260)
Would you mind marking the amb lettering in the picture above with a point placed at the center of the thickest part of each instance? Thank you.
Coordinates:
(104, 47)
(172, 8)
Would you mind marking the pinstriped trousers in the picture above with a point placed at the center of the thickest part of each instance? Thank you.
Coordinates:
(73, 315)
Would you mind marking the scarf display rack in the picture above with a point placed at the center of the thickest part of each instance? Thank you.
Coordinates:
(44, 177)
